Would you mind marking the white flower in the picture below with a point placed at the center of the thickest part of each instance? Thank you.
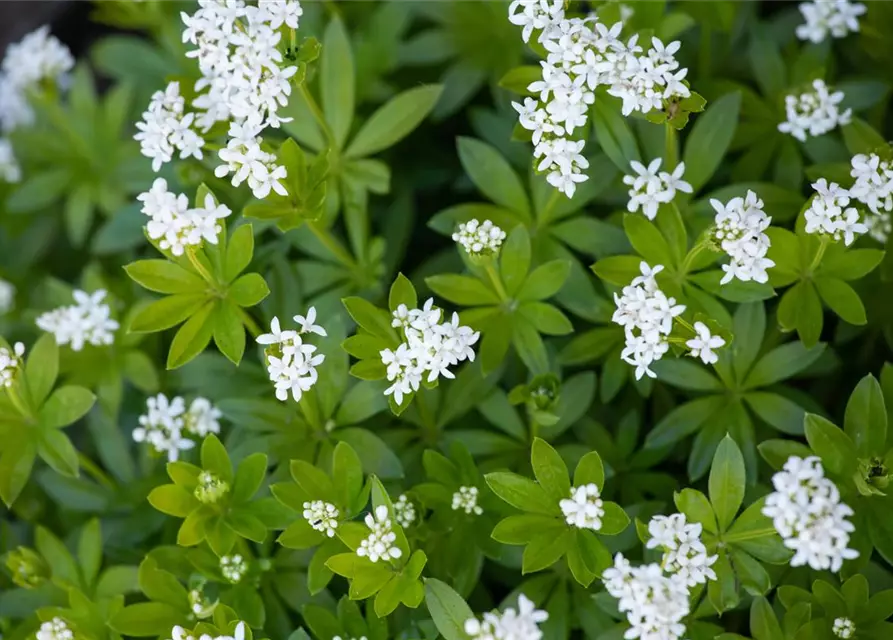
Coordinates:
(379, 545)
(843, 628)
(37, 59)
(828, 213)
(163, 425)
(479, 238)
(655, 603)
(322, 516)
(704, 343)
(739, 229)
(466, 498)
(874, 189)
(836, 17)
(535, 14)
(204, 611)
(650, 187)
(233, 567)
(807, 513)
(55, 629)
(202, 418)
(646, 314)
(166, 127)
(9, 166)
(86, 321)
(430, 347)
(585, 508)
(291, 362)
(174, 224)
(511, 624)
(7, 296)
(404, 511)
(684, 553)
(813, 113)
(10, 363)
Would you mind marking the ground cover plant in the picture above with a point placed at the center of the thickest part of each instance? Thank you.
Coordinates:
(472, 320)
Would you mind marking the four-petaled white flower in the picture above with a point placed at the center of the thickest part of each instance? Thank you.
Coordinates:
(650, 187)
(684, 552)
(292, 362)
(512, 624)
(704, 343)
(380, 543)
(584, 509)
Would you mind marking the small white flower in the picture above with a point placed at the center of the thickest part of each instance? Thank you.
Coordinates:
(9, 166)
(322, 516)
(233, 567)
(511, 624)
(813, 113)
(55, 629)
(739, 229)
(807, 513)
(174, 224)
(843, 628)
(404, 511)
(479, 238)
(307, 323)
(88, 321)
(10, 363)
(466, 499)
(163, 426)
(684, 553)
(838, 18)
(202, 418)
(828, 213)
(7, 296)
(379, 545)
(650, 187)
(585, 508)
(291, 362)
(703, 345)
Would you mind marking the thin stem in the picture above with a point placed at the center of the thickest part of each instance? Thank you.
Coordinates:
(819, 254)
(310, 409)
(95, 472)
(196, 263)
(425, 413)
(249, 323)
(671, 148)
(685, 324)
(316, 112)
(545, 214)
(686, 264)
(332, 244)
(497, 282)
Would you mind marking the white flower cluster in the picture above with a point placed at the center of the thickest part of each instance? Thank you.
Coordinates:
(429, 346)
(740, 229)
(583, 55)
(843, 628)
(874, 188)
(86, 321)
(703, 344)
(200, 604)
(404, 511)
(55, 629)
(291, 363)
(244, 81)
(36, 60)
(379, 545)
(322, 516)
(650, 187)
(179, 633)
(646, 314)
(10, 363)
(813, 113)
(655, 602)
(511, 624)
(351, 638)
(167, 424)
(177, 226)
(166, 128)
(233, 567)
(210, 488)
(836, 17)
(829, 213)
(584, 509)
(9, 166)
(479, 238)
(466, 498)
(684, 553)
(807, 513)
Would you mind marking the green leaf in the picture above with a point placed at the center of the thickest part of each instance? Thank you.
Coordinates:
(726, 482)
(336, 80)
(842, 299)
(865, 421)
(42, 368)
(614, 521)
(447, 608)
(402, 292)
(709, 139)
(167, 312)
(313, 481)
(248, 290)
(374, 320)
(546, 318)
(163, 276)
(173, 500)
(782, 363)
(493, 175)
(192, 338)
(683, 421)
(550, 470)
(529, 345)
(749, 325)
(777, 411)
(545, 281)
(831, 444)
(215, 459)
(647, 240)
(239, 251)
(522, 493)
(618, 270)
(696, 508)
(590, 470)
(686, 374)
(521, 529)
(463, 290)
(514, 259)
(16, 462)
(394, 120)
(545, 549)
(801, 310)
(58, 556)
(249, 477)
(146, 619)
(56, 450)
(89, 550)
(861, 137)
(852, 264)
(347, 473)
(65, 406)
(614, 135)
(229, 333)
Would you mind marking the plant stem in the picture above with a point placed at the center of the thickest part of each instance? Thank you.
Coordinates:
(428, 423)
(686, 264)
(545, 214)
(823, 245)
(332, 244)
(196, 263)
(95, 472)
(671, 148)
(497, 282)
(316, 112)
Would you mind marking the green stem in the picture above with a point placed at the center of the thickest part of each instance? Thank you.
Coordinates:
(332, 244)
(425, 413)
(671, 148)
(686, 264)
(196, 263)
(95, 472)
(545, 214)
(310, 409)
(497, 282)
(823, 245)
(685, 324)
(316, 112)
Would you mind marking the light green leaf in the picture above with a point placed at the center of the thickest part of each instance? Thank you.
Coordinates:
(336, 80)
(493, 175)
(709, 139)
(726, 482)
(865, 421)
(394, 120)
